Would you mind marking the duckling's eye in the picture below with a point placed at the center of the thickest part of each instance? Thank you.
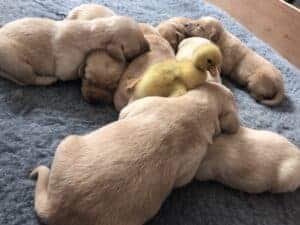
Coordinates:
(209, 61)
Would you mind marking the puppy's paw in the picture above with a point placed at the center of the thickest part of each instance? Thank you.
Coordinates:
(230, 122)
(266, 87)
(94, 94)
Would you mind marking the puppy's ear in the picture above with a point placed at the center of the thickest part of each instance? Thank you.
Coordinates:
(131, 84)
(229, 122)
(81, 69)
(179, 37)
(213, 34)
(116, 52)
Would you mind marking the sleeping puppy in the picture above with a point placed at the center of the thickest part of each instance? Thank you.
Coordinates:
(160, 50)
(121, 174)
(89, 12)
(253, 161)
(241, 64)
(174, 30)
(36, 51)
(100, 72)
(100, 76)
(188, 47)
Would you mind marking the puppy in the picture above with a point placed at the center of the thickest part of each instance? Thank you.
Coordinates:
(45, 50)
(241, 64)
(106, 177)
(174, 30)
(189, 46)
(89, 12)
(160, 50)
(100, 72)
(253, 161)
(100, 76)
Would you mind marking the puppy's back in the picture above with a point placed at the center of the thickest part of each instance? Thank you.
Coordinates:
(253, 161)
(89, 12)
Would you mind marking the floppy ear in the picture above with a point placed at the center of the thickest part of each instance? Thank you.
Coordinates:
(213, 34)
(179, 37)
(132, 83)
(81, 69)
(230, 122)
(116, 52)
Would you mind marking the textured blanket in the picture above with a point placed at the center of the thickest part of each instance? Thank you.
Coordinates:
(33, 120)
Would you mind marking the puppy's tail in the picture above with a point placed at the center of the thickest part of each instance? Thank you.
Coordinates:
(41, 191)
(278, 97)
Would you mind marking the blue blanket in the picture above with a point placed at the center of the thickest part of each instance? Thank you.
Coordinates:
(33, 120)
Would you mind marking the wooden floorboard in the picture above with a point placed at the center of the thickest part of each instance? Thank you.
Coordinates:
(273, 21)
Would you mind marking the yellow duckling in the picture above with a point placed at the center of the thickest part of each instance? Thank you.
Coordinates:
(174, 78)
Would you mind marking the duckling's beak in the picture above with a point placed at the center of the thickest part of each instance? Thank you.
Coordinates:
(214, 71)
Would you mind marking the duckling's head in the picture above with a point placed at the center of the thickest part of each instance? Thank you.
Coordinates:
(207, 57)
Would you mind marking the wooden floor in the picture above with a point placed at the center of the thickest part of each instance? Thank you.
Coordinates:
(273, 21)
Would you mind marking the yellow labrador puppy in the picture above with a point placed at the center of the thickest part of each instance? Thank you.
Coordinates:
(174, 30)
(253, 161)
(89, 12)
(241, 64)
(160, 50)
(121, 174)
(37, 51)
(100, 72)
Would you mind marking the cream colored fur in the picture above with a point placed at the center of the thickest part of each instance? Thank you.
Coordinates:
(121, 174)
(89, 12)
(36, 51)
(160, 50)
(241, 64)
(188, 46)
(100, 72)
(174, 30)
(253, 161)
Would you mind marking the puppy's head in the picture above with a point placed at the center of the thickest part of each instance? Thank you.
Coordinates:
(173, 30)
(226, 107)
(101, 74)
(128, 41)
(206, 27)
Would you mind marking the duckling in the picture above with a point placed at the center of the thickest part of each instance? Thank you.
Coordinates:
(173, 78)
(196, 45)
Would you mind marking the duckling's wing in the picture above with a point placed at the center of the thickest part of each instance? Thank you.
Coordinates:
(178, 89)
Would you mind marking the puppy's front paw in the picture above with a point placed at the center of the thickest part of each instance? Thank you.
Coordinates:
(266, 88)
(94, 94)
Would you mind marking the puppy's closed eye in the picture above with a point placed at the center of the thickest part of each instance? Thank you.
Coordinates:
(116, 52)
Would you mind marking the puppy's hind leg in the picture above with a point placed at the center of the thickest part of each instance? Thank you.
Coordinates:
(41, 191)
(24, 75)
(14, 66)
(45, 80)
(288, 178)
